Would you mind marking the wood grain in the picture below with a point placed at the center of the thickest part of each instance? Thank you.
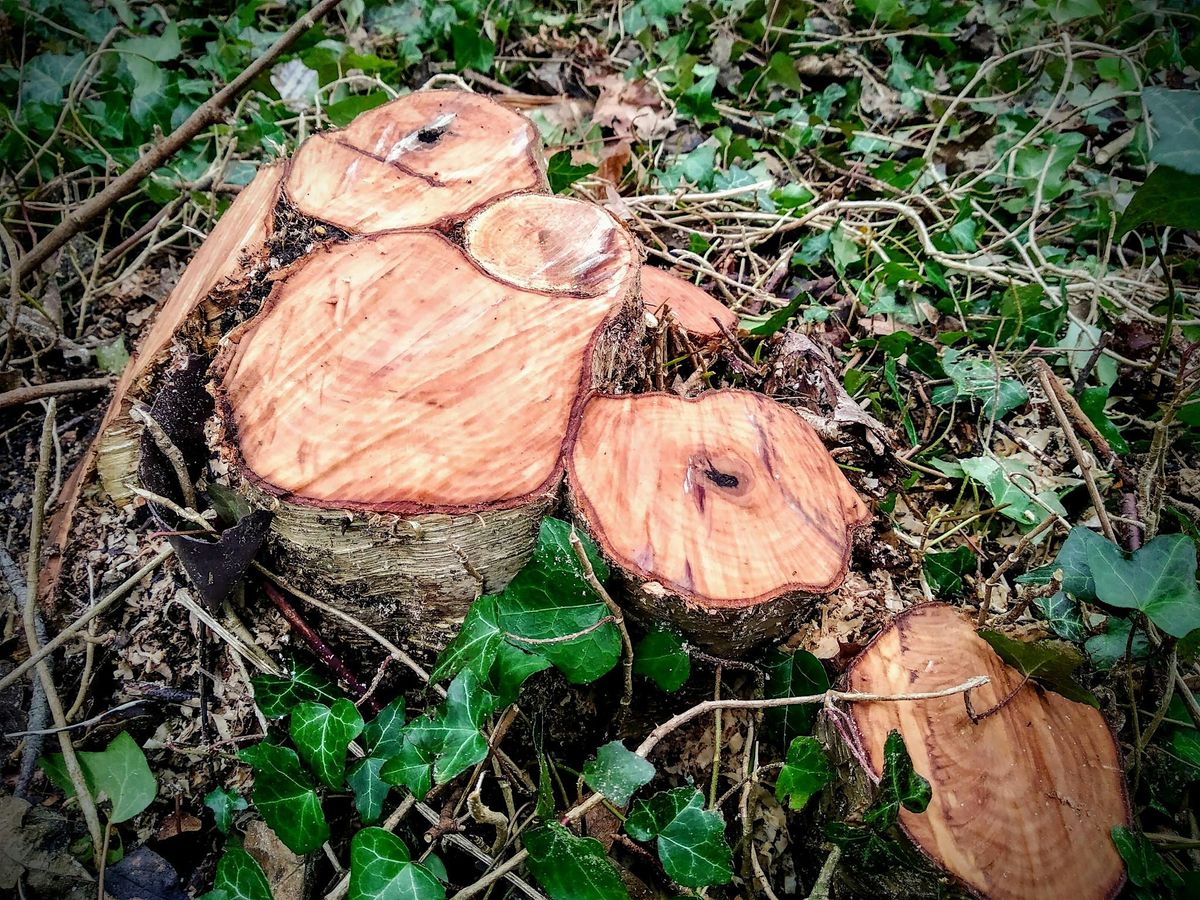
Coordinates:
(728, 500)
(1024, 799)
(415, 161)
(394, 374)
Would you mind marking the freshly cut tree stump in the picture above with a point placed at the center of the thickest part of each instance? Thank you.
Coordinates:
(697, 312)
(724, 512)
(429, 156)
(403, 402)
(227, 256)
(1025, 797)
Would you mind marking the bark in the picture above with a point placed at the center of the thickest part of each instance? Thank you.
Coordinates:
(1024, 798)
(723, 513)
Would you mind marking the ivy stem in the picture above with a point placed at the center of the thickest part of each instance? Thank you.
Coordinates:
(618, 617)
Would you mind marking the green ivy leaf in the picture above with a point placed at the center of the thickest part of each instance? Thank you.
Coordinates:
(369, 789)
(346, 111)
(228, 503)
(1026, 320)
(1175, 115)
(805, 773)
(276, 696)
(1166, 198)
(510, 670)
(1072, 560)
(45, 78)
(1051, 663)
(382, 869)
(617, 772)
(662, 658)
(163, 48)
(691, 839)
(978, 379)
(1005, 481)
(1159, 580)
(696, 102)
(452, 733)
(562, 173)
(1062, 615)
(411, 767)
(240, 877)
(900, 786)
(550, 598)
(1107, 648)
(119, 772)
(286, 798)
(571, 867)
(475, 645)
(1093, 401)
(384, 735)
(322, 734)
(1185, 745)
(796, 674)
(473, 49)
(224, 803)
(1145, 867)
(945, 571)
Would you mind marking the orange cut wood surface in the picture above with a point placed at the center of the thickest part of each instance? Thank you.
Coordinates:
(393, 373)
(696, 311)
(1024, 799)
(728, 500)
(428, 156)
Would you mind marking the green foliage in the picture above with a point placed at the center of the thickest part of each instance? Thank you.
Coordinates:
(382, 869)
(945, 570)
(1176, 117)
(224, 805)
(118, 773)
(691, 839)
(1146, 869)
(562, 173)
(450, 736)
(550, 598)
(976, 379)
(571, 867)
(1159, 580)
(1166, 198)
(239, 877)
(113, 356)
(795, 674)
(662, 657)
(411, 767)
(805, 773)
(1093, 401)
(322, 734)
(285, 797)
(475, 644)
(617, 772)
(384, 735)
(1006, 480)
(899, 787)
(275, 696)
(1063, 615)
(1110, 646)
(369, 788)
(1051, 663)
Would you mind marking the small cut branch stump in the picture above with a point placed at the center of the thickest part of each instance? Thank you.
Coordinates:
(1024, 796)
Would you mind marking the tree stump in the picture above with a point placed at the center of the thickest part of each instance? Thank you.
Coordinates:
(696, 312)
(227, 259)
(411, 163)
(402, 401)
(723, 513)
(1025, 797)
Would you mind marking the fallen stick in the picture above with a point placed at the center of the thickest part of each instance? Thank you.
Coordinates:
(22, 395)
(206, 114)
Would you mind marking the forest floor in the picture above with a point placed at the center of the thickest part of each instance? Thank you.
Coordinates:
(938, 224)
